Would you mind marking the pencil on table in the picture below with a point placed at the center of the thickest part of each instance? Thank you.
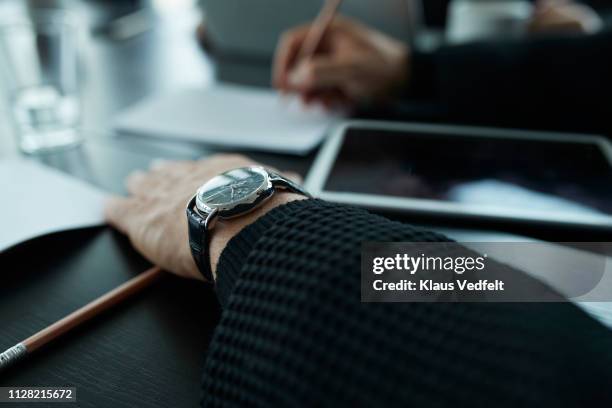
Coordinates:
(80, 316)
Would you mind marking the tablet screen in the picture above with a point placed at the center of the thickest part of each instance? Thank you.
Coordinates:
(511, 173)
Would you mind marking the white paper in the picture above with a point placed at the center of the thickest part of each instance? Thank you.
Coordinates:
(232, 116)
(37, 200)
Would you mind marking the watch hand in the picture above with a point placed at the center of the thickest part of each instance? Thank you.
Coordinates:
(239, 184)
(214, 195)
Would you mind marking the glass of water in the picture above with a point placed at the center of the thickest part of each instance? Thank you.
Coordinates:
(39, 74)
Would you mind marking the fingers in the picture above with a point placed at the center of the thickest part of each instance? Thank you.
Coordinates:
(320, 73)
(290, 44)
(330, 99)
(161, 176)
(180, 177)
(287, 51)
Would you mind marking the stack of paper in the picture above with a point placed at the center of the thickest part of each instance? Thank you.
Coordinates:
(232, 116)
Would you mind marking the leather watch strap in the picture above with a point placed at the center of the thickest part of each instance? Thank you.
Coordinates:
(198, 241)
(288, 185)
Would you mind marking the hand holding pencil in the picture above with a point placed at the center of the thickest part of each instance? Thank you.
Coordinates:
(336, 60)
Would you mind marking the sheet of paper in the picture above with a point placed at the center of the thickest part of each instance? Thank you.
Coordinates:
(37, 200)
(232, 116)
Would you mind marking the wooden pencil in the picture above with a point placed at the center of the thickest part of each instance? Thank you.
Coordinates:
(80, 316)
(318, 28)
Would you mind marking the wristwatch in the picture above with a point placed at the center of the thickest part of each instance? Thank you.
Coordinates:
(229, 195)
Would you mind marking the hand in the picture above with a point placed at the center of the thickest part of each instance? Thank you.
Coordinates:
(564, 16)
(154, 215)
(354, 64)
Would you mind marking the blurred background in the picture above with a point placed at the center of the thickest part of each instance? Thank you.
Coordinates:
(110, 55)
(128, 50)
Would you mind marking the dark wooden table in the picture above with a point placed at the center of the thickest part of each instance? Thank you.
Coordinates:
(148, 352)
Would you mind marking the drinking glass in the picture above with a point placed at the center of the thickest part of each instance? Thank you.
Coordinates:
(39, 72)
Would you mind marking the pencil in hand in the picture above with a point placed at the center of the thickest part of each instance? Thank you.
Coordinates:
(318, 28)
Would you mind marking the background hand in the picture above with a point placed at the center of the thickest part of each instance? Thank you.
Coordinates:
(354, 63)
(564, 16)
(153, 216)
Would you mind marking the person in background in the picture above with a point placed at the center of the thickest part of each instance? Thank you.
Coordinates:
(558, 78)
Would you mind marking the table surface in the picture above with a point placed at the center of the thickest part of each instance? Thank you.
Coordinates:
(149, 351)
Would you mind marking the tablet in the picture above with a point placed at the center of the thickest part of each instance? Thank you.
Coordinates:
(467, 172)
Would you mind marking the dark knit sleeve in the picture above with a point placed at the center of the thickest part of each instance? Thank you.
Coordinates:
(239, 248)
(294, 332)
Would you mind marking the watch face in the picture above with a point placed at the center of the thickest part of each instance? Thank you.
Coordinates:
(232, 187)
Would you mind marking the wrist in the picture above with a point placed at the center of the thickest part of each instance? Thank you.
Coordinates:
(225, 230)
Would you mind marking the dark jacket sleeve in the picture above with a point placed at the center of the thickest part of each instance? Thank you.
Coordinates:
(294, 332)
(551, 82)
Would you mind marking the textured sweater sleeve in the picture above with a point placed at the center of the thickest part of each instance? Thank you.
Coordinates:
(294, 332)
